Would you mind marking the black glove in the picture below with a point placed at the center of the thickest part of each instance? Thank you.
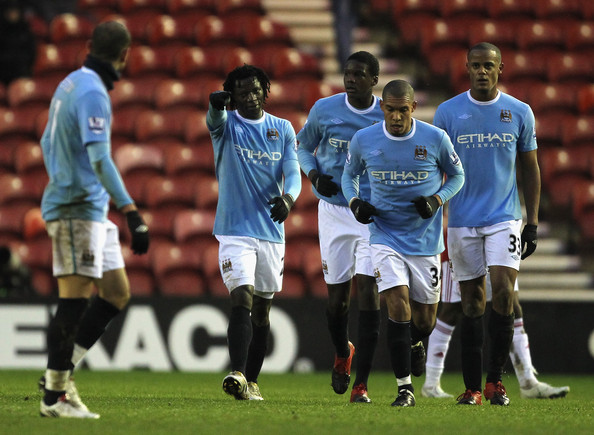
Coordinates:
(363, 211)
(529, 240)
(220, 99)
(322, 184)
(426, 205)
(139, 231)
(281, 206)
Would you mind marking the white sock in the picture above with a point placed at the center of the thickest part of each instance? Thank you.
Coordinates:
(55, 380)
(437, 349)
(404, 381)
(78, 354)
(520, 356)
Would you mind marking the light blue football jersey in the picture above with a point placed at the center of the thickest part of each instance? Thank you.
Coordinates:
(399, 170)
(79, 114)
(324, 140)
(487, 136)
(249, 157)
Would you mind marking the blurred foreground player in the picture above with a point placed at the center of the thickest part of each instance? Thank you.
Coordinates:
(87, 254)
(405, 160)
(259, 180)
(344, 242)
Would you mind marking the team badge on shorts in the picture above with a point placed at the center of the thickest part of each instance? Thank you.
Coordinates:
(88, 258)
(324, 267)
(227, 265)
(377, 275)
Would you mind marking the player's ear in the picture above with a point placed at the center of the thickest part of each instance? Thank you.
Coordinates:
(375, 80)
(501, 68)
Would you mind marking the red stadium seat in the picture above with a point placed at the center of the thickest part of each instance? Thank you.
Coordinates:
(194, 226)
(552, 97)
(542, 37)
(302, 225)
(189, 162)
(33, 224)
(160, 223)
(260, 31)
(212, 31)
(561, 171)
(123, 125)
(469, 10)
(168, 30)
(198, 62)
(177, 270)
(294, 286)
(154, 126)
(28, 159)
(97, 8)
(21, 189)
(296, 117)
(135, 25)
(68, 29)
(146, 61)
(497, 32)
(587, 8)
(555, 9)
(412, 16)
(583, 208)
(195, 129)
(525, 65)
(580, 37)
(317, 90)
(170, 193)
(18, 125)
(188, 7)
(12, 218)
(37, 255)
(292, 63)
(233, 57)
(145, 8)
(578, 131)
(139, 271)
(513, 11)
(187, 94)
(287, 94)
(136, 92)
(585, 99)
(56, 61)
(548, 130)
(207, 194)
(442, 40)
(574, 68)
(241, 8)
(138, 164)
(307, 200)
(31, 91)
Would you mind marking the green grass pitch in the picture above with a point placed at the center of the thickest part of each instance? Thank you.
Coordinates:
(141, 402)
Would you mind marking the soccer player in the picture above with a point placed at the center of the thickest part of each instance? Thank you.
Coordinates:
(405, 161)
(344, 242)
(86, 250)
(439, 341)
(489, 130)
(254, 152)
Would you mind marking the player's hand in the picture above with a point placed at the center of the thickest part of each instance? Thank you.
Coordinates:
(220, 99)
(139, 231)
(529, 240)
(281, 206)
(324, 185)
(426, 205)
(363, 211)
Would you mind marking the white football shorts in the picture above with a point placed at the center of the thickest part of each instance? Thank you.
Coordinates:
(250, 261)
(420, 273)
(86, 248)
(344, 244)
(472, 250)
(450, 289)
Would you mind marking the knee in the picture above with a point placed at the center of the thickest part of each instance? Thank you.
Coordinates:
(242, 296)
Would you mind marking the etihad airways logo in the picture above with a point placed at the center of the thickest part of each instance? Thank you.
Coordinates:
(258, 156)
(486, 140)
(339, 145)
(399, 177)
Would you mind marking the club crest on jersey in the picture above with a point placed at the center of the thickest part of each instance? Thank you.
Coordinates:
(96, 124)
(505, 116)
(420, 152)
(272, 134)
(377, 275)
(227, 265)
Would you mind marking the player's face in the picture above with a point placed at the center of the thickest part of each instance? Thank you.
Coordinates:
(398, 114)
(248, 97)
(358, 82)
(483, 68)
